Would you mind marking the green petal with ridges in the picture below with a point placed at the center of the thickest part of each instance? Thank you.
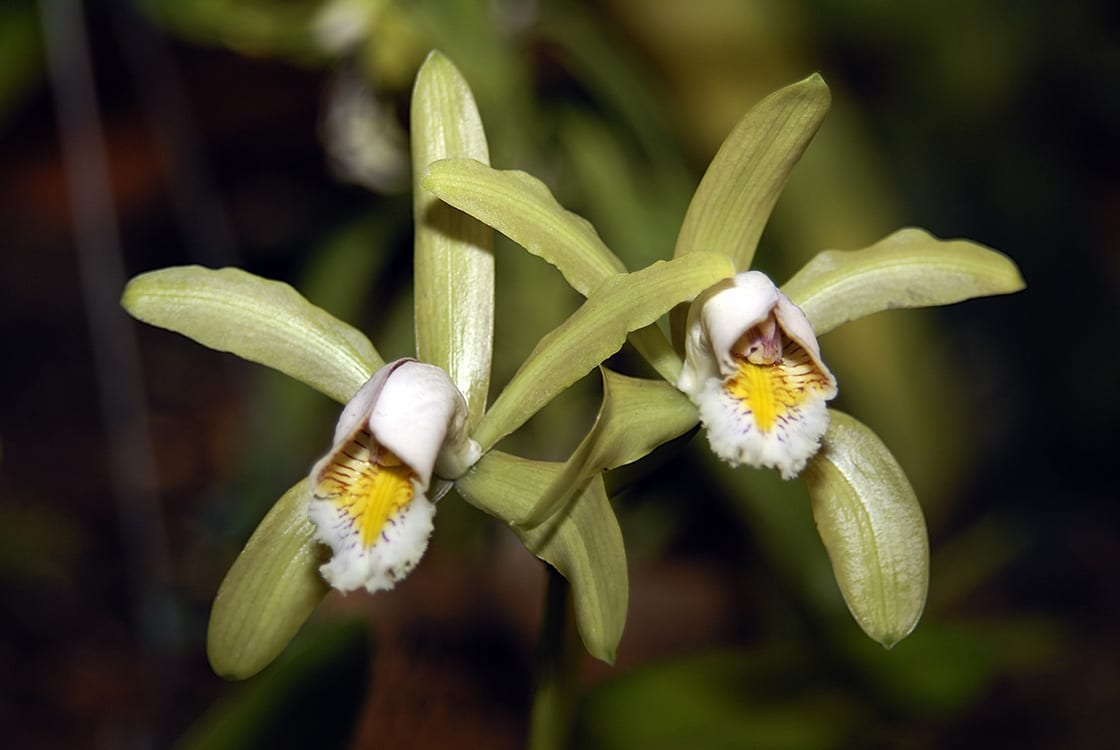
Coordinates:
(872, 527)
(636, 416)
(733, 202)
(651, 343)
(910, 268)
(622, 303)
(454, 253)
(259, 320)
(522, 208)
(583, 542)
(268, 593)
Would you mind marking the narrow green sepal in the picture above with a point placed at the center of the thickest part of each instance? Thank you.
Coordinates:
(522, 208)
(583, 543)
(738, 191)
(651, 343)
(454, 254)
(909, 268)
(635, 417)
(270, 590)
(622, 303)
(872, 527)
(259, 320)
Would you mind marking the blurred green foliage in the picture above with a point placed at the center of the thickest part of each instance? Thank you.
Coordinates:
(20, 54)
(287, 705)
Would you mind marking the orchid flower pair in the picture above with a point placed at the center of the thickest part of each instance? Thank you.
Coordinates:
(415, 427)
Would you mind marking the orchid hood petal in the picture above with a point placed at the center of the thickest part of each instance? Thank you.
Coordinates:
(369, 501)
(754, 369)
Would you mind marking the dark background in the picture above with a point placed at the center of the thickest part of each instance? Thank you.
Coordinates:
(994, 121)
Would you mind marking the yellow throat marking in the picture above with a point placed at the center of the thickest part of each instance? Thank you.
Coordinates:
(370, 487)
(770, 391)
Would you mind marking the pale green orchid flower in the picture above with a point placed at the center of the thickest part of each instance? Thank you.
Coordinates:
(369, 498)
(414, 427)
(865, 509)
(753, 368)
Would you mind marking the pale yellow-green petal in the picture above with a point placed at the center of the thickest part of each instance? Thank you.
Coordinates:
(583, 543)
(733, 202)
(651, 342)
(872, 527)
(257, 319)
(522, 208)
(454, 254)
(268, 593)
(909, 268)
(636, 416)
(622, 303)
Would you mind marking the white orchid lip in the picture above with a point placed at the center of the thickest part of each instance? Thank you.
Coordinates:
(754, 369)
(368, 494)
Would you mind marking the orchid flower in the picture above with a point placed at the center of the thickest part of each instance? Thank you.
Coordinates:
(753, 368)
(416, 427)
(368, 500)
(751, 361)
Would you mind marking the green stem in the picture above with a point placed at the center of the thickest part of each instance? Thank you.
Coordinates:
(557, 666)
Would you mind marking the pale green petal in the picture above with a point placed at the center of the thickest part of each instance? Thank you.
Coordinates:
(733, 203)
(258, 320)
(454, 258)
(651, 343)
(872, 527)
(583, 542)
(271, 589)
(622, 303)
(636, 416)
(521, 207)
(910, 268)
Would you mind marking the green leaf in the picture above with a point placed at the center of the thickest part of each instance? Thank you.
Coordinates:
(271, 589)
(872, 527)
(258, 320)
(636, 416)
(733, 203)
(622, 303)
(910, 268)
(521, 207)
(454, 254)
(583, 543)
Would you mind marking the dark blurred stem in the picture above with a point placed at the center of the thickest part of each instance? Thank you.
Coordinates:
(116, 359)
(558, 652)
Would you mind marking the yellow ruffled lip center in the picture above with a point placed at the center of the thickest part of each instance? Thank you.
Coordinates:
(770, 391)
(368, 483)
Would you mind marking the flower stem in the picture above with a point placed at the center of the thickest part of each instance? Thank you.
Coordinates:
(557, 667)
